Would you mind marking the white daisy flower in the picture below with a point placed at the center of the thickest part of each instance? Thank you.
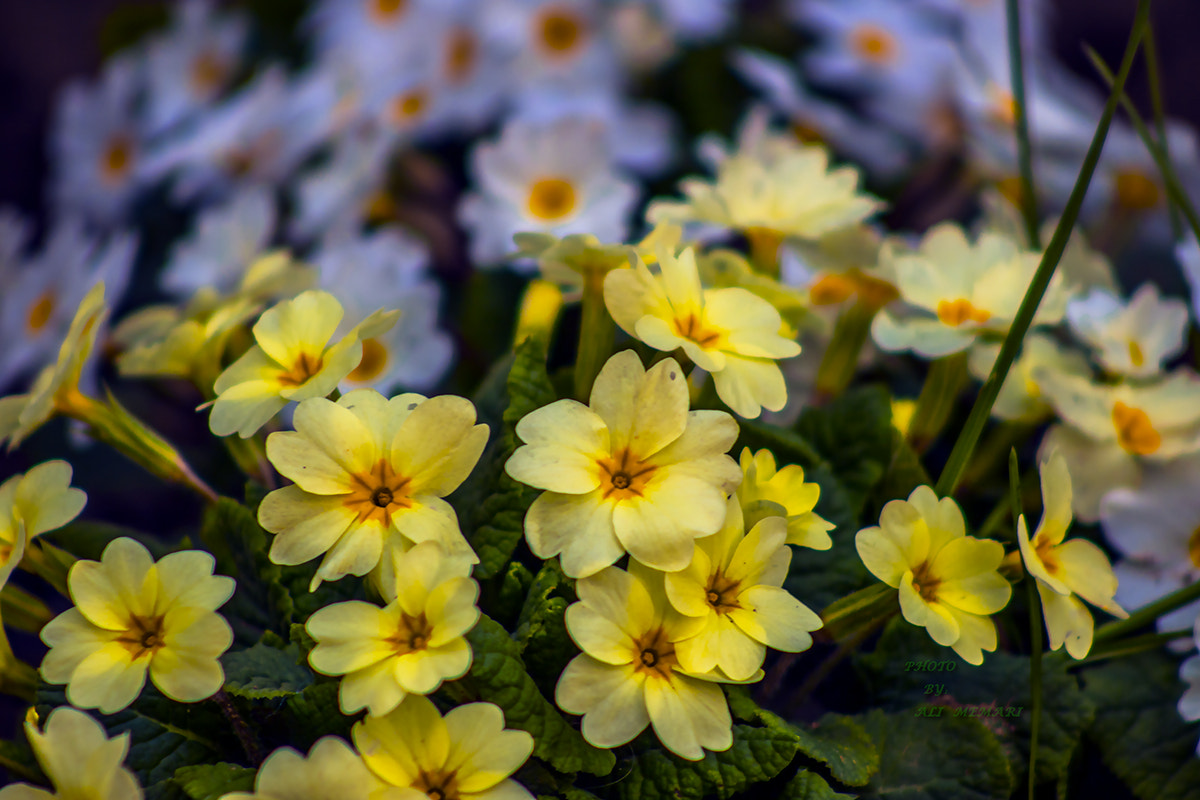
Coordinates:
(887, 49)
(471, 70)
(692, 20)
(37, 309)
(14, 236)
(1187, 253)
(554, 179)
(814, 119)
(226, 240)
(1132, 338)
(388, 268)
(96, 145)
(189, 65)
(1154, 526)
(369, 34)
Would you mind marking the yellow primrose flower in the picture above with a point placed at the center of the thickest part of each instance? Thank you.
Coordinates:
(56, 389)
(961, 290)
(633, 470)
(331, 771)
(80, 760)
(367, 469)
(1021, 398)
(732, 333)
(727, 269)
(412, 644)
(571, 261)
(629, 674)
(291, 360)
(777, 192)
(734, 584)
(134, 616)
(466, 755)
(1111, 430)
(40, 500)
(1066, 571)
(948, 581)
(1131, 338)
(768, 492)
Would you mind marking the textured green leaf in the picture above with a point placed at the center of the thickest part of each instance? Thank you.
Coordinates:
(492, 505)
(498, 675)
(264, 672)
(935, 758)
(757, 755)
(838, 742)
(807, 785)
(854, 434)
(1002, 680)
(505, 596)
(541, 627)
(213, 781)
(314, 712)
(1137, 726)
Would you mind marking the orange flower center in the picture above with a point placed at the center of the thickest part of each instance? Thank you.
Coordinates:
(722, 593)
(624, 475)
(40, 311)
(462, 52)
(116, 159)
(925, 582)
(438, 784)
(806, 132)
(412, 635)
(559, 31)
(374, 359)
(957, 312)
(305, 367)
(655, 654)
(692, 327)
(208, 73)
(144, 637)
(408, 107)
(551, 199)
(873, 44)
(1136, 191)
(1135, 433)
(1193, 547)
(387, 10)
(1003, 108)
(378, 494)
(835, 287)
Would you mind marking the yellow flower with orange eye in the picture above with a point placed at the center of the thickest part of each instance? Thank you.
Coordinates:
(292, 360)
(731, 333)
(1066, 572)
(367, 470)
(766, 491)
(949, 582)
(634, 471)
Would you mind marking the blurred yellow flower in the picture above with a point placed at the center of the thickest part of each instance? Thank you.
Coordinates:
(40, 500)
(1066, 571)
(1021, 397)
(632, 471)
(768, 492)
(56, 389)
(134, 616)
(80, 760)
(412, 644)
(292, 360)
(629, 674)
(948, 581)
(466, 755)
(731, 333)
(367, 469)
(331, 771)
(734, 584)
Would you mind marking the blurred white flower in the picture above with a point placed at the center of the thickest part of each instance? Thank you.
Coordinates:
(691, 20)
(1187, 253)
(337, 192)
(388, 268)
(554, 179)
(191, 63)
(369, 35)
(1132, 338)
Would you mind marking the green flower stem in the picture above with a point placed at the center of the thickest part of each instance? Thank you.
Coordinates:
(251, 745)
(595, 334)
(995, 444)
(1016, 65)
(21, 610)
(850, 334)
(861, 609)
(943, 384)
(1035, 626)
(1147, 614)
(19, 680)
(982, 409)
(251, 457)
(1153, 71)
(1128, 647)
(51, 564)
(1175, 191)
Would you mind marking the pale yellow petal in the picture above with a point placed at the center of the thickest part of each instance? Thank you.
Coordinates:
(373, 687)
(1067, 621)
(123, 582)
(689, 716)
(484, 753)
(439, 444)
(614, 394)
(771, 615)
(1033, 562)
(390, 749)
(660, 528)
(329, 447)
(304, 324)
(748, 385)
(609, 697)
(580, 527)
(107, 680)
(305, 525)
(186, 579)
(350, 636)
(1088, 574)
(71, 639)
(966, 556)
(45, 500)
(564, 441)
(935, 618)
(687, 589)
(976, 634)
(600, 637)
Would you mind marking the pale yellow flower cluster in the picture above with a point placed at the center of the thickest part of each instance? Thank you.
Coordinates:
(635, 472)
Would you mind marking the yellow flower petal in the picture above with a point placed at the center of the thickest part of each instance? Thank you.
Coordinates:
(689, 716)
(578, 527)
(609, 697)
(439, 444)
(484, 753)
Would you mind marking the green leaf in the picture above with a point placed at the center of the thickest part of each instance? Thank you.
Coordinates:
(492, 505)
(904, 473)
(263, 672)
(498, 675)
(838, 742)
(87, 539)
(757, 755)
(1002, 680)
(314, 712)
(854, 434)
(504, 597)
(935, 758)
(213, 781)
(541, 627)
(807, 785)
(1141, 736)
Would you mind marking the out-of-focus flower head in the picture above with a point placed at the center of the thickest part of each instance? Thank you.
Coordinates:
(1133, 338)
(551, 179)
(769, 492)
(388, 267)
(1021, 398)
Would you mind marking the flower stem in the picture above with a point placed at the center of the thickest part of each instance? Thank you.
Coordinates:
(21, 610)
(982, 409)
(1035, 627)
(1016, 65)
(943, 384)
(1153, 71)
(1132, 646)
(248, 739)
(595, 334)
(850, 334)
(1147, 613)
